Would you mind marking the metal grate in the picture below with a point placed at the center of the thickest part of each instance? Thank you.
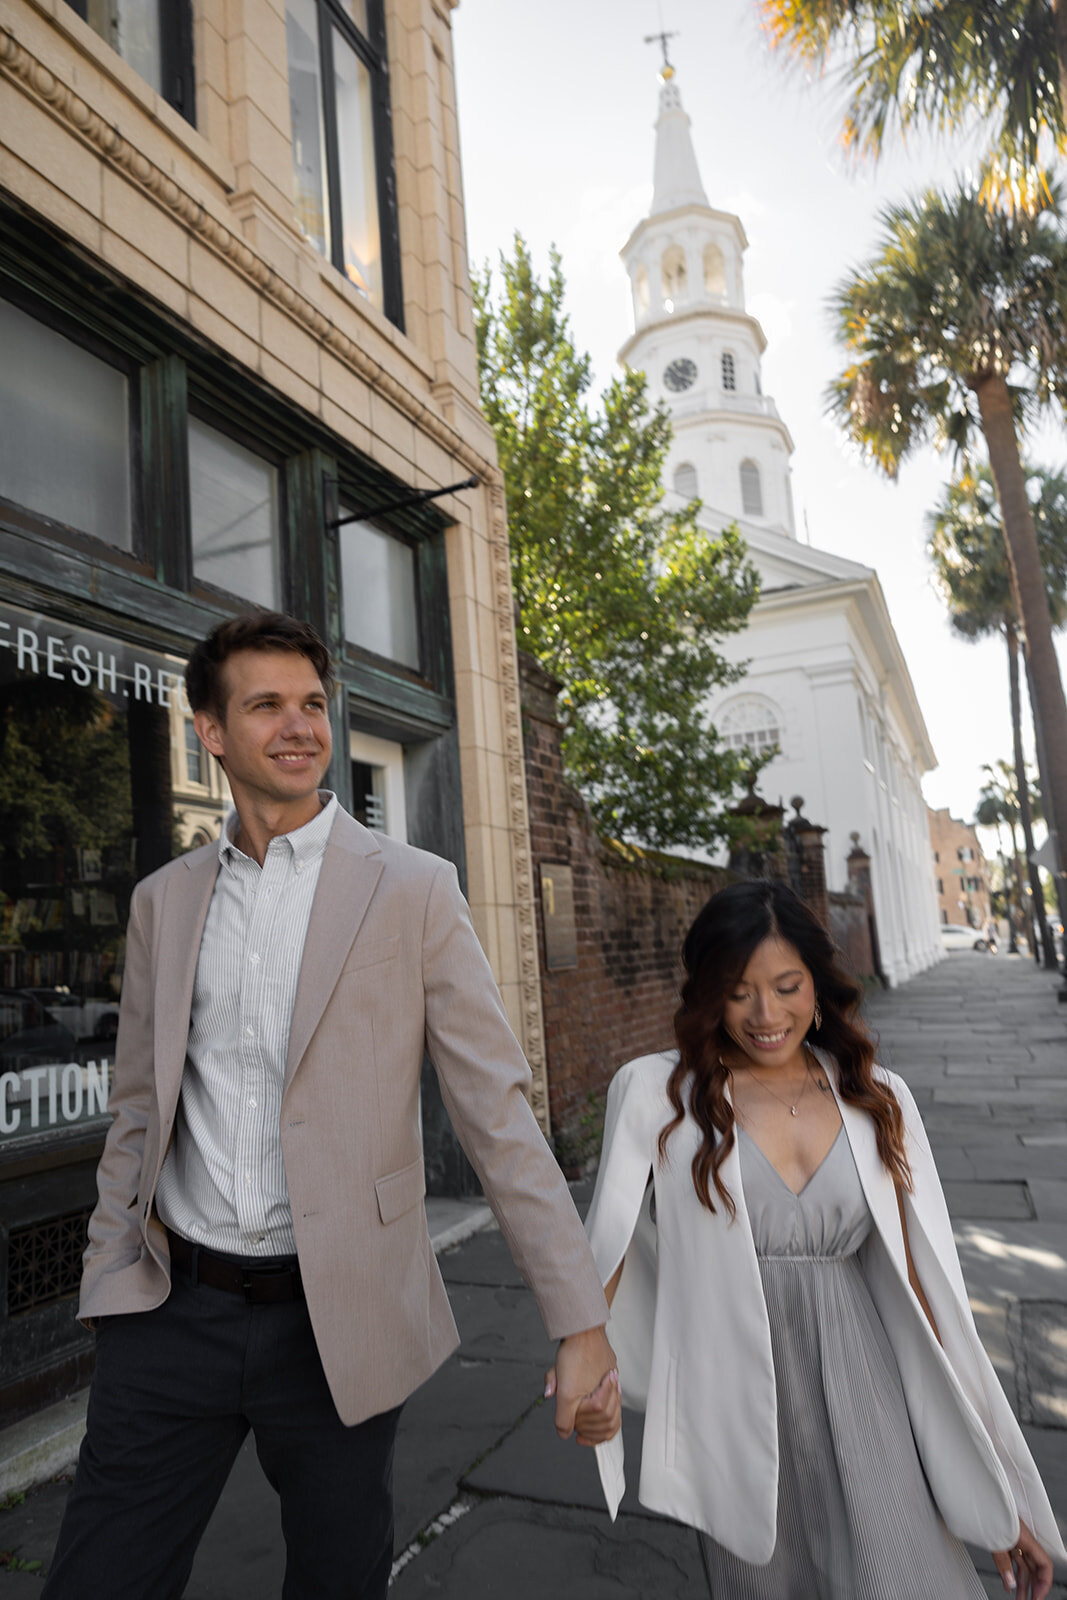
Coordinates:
(44, 1262)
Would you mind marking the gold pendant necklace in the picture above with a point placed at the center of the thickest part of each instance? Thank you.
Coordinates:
(791, 1104)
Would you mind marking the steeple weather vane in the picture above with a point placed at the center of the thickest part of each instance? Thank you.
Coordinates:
(667, 71)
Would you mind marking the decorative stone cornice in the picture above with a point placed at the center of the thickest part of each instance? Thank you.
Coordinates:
(36, 79)
(521, 861)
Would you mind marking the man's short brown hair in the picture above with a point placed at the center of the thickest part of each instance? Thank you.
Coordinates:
(252, 630)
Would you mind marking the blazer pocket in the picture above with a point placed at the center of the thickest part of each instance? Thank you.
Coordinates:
(670, 1419)
(399, 1191)
(371, 953)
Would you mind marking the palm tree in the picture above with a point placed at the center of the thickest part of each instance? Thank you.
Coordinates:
(996, 64)
(966, 546)
(957, 326)
(998, 803)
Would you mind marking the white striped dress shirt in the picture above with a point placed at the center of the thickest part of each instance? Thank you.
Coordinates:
(223, 1182)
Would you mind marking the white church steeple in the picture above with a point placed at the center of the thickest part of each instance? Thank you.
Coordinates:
(698, 345)
(676, 176)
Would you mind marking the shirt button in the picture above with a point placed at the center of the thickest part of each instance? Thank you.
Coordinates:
(250, 1033)
(252, 1103)
(254, 959)
(248, 1177)
(300, 866)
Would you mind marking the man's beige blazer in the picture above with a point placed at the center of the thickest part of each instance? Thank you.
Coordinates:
(391, 967)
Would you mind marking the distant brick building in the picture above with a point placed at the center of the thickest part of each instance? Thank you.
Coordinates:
(961, 871)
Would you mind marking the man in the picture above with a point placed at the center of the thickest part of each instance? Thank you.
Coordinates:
(258, 1256)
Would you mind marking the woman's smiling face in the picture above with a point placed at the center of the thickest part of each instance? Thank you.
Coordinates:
(768, 1011)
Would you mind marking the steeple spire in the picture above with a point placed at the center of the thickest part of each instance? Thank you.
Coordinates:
(676, 176)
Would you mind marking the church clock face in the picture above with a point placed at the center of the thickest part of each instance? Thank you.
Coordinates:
(680, 374)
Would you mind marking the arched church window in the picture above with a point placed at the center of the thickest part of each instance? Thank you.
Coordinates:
(685, 480)
(751, 490)
(749, 722)
(729, 370)
(675, 277)
(641, 293)
(714, 270)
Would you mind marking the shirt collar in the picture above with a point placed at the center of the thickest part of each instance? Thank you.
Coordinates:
(305, 844)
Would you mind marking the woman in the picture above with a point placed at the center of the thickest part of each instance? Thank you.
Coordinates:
(787, 1303)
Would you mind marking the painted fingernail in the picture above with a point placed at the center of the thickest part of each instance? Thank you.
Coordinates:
(1009, 1580)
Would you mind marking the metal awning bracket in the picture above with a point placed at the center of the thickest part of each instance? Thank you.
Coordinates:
(416, 497)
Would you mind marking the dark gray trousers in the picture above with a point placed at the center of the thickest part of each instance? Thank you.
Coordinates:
(174, 1394)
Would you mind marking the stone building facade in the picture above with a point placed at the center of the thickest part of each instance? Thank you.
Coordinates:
(235, 316)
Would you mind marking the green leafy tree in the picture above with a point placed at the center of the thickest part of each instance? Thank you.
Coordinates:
(998, 66)
(955, 328)
(966, 546)
(623, 601)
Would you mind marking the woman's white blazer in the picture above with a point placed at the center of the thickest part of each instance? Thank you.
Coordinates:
(689, 1325)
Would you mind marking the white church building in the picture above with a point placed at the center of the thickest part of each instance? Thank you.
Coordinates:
(827, 682)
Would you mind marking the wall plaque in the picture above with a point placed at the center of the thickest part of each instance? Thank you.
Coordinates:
(557, 907)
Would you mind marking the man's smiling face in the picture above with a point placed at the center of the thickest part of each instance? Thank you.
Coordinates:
(272, 735)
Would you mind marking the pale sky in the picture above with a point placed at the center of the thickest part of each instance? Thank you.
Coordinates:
(557, 103)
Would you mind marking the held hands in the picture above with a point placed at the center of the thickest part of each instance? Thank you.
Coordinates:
(1026, 1570)
(585, 1382)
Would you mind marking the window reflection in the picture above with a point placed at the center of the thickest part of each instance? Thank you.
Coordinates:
(357, 10)
(305, 111)
(93, 796)
(361, 236)
(380, 600)
(59, 403)
(132, 28)
(336, 79)
(233, 497)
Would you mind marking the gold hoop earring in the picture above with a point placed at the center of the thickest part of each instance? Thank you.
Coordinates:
(816, 1020)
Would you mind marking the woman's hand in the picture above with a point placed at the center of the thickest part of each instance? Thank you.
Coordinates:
(598, 1415)
(1025, 1570)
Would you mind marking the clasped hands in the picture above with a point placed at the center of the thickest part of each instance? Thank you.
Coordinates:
(585, 1382)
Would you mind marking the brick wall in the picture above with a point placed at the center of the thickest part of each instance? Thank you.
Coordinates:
(851, 932)
(632, 909)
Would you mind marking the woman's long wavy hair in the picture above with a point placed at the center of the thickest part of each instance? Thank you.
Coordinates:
(716, 951)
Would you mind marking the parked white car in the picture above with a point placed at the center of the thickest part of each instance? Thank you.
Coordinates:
(957, 937)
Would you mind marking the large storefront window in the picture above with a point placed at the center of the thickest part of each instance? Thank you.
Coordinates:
(234, 512)
(95, 792)
(60, 403)
(379, 593)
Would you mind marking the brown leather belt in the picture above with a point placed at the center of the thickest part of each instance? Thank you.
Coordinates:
(269, 1285)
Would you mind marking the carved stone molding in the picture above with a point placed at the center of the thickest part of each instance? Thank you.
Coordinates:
(36, 79)
(521, 863)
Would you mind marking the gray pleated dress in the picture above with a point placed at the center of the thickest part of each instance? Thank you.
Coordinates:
(856, 1520)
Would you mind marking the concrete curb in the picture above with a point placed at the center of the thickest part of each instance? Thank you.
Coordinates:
(39, 1447)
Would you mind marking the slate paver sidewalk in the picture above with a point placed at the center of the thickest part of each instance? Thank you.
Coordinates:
(490, 1504)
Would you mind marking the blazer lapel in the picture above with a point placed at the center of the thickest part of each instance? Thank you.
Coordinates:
(348, 878)
(181, 926)
(878, 1186)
